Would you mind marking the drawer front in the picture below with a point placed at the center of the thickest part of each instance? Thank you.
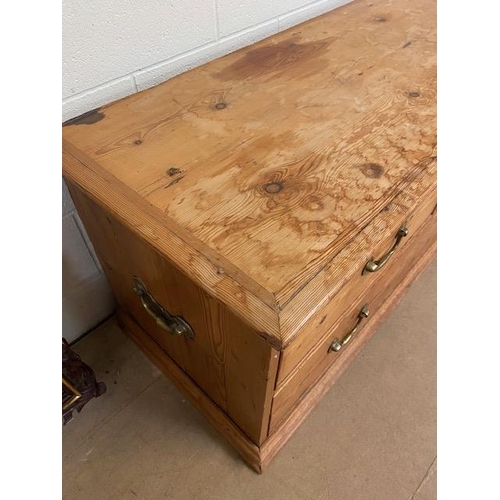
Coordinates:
(223, 355)
(323, 356)
(327, 316)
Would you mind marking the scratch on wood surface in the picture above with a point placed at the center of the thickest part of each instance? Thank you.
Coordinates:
(175, 181)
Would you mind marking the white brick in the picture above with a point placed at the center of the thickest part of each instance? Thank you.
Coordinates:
(86, 307)
(168, 69)
(285, 6)
(78, 265)
(106, 39)
(308, 12)
(236, 15)
(85, 236)
(97, 97)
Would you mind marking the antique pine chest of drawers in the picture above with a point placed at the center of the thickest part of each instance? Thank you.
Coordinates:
(258, 216)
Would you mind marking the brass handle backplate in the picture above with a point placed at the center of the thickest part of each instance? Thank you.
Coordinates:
(172, 324)
(337, 344)
(375, 265)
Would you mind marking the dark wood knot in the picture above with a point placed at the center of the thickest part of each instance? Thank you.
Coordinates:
(273, 187)
(372, 170)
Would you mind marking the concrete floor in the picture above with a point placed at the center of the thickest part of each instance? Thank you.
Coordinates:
(373, 436)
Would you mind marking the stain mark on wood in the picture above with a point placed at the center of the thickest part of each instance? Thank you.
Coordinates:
(88, 118)
(174, 171)
(275, 57)
(313, 203)
(175, 181)
(372, 170)
(381, 19)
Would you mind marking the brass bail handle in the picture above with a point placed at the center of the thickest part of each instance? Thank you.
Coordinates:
(337, 344)
(172, 324)
(373, 265)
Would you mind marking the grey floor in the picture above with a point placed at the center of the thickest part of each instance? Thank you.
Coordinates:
(373, 436)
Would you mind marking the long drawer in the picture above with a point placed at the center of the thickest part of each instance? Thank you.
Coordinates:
(358, 313)
(327, 316)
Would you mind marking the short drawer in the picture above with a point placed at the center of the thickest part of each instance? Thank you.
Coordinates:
(323, 356)
(327, 316)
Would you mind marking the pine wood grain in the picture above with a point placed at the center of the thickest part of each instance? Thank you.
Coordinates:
(345, 266)
(310, 368)
(227, 359)
(259, 457)
(249, 193)
(204, 269)
(218, 419)
(326, 316)
(267, 163)
(286, 429)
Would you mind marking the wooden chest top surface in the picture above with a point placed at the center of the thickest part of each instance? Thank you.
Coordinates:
(270, 160)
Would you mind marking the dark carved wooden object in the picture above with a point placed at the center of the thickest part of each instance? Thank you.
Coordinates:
(79, 383)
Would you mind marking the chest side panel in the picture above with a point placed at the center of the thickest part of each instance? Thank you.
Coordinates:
(227, 359)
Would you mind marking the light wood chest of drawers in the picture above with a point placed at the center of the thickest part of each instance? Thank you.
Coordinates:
(257, 217)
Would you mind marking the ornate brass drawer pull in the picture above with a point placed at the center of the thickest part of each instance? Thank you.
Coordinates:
(375, 265)
(172, 324)
(338, 344)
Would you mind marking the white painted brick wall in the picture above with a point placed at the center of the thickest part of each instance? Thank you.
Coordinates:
(86, 296)
(113, 48)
